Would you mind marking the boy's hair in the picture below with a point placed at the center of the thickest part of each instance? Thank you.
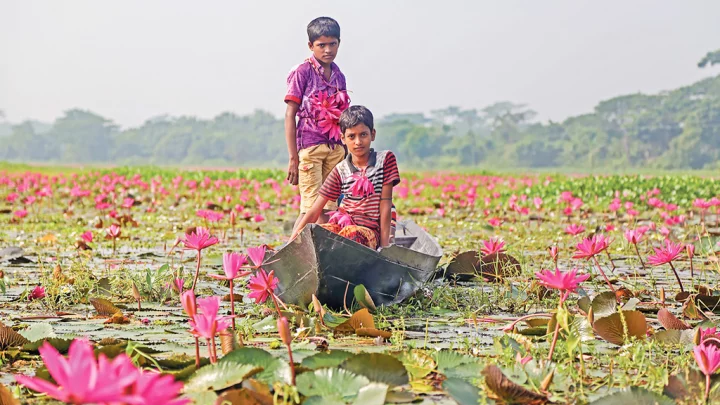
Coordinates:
(323, 27)
(355, 115)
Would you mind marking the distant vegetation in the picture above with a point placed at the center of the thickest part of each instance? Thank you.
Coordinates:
(678, 129)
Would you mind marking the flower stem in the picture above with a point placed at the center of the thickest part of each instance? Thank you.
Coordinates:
(692, 269)
(707, 387)
(292, 365)
(610, 258)
(197, 271)
(677, 276)
(603, 274)
(232, 304)
(639, 257)
(197, 353)
(277, 307)
(555, 338)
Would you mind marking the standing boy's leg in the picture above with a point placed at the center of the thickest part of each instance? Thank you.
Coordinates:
(309, 178)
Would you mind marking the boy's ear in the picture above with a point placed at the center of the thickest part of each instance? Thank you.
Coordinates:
(372, 135)
(310, 45)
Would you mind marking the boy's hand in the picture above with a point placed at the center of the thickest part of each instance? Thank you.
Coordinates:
(292, 175)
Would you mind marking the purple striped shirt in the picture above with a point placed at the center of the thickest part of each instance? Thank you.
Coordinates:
(305, 80)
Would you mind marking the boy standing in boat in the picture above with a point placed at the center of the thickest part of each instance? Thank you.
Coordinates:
(316, 94)
(365, 178)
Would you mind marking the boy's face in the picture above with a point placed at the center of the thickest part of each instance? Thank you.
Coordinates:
(325, 49)
(358, 140)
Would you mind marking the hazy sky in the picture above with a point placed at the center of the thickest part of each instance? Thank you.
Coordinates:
(132, 60)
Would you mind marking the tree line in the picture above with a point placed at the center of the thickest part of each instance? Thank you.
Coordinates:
(678, 129)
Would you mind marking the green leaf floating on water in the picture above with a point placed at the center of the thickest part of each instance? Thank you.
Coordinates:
(378, 367)
(61, 345)
(38, 331)
(604, 304)
(371, 394)
(417, 363)
(273, 369)
(326, 359)
(331, 384)
(634, 396)
(462, 391)
(218, 376)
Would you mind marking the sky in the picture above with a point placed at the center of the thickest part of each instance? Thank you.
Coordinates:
(132, 60)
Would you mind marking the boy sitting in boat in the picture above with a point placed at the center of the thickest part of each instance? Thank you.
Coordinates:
(365, 179)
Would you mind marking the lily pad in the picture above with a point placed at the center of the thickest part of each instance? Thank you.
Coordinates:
(611, 327)
(38, 331)
(378, 367)
(372, 394)
(417, 363)
(61, 345)
(273, 369)
(509, 391)
(327, 359)
(604, 304)
(634, 396)
(462, 391)
(10, 338)
(331, 383)
(670, 321)
(675, 337)
(219, 376)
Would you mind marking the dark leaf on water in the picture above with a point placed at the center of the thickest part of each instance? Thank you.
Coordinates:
(10, 338)
(104, 307)
(611, 327)
(498, 266)
(670, 321)
(378, 367)
(604, 304)
(508, 391)
(462, 391)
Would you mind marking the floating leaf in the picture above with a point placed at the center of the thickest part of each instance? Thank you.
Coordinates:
(372, 332)
(463, 266)
(104, 307)
(38, 331)
(362, 296)
(417, 363)
(61, 345)
(447, 359)
(378, 367)
(670, 321)
(244, 396)
(691, 311)
(372, 394)
(10, 338)
(462, 391)
(498, 266)
(327, 359)
(634, 396)
(604, 304)
(220, 375)
(507, 390)
(331, 383)
(273, 369)
(611, 327)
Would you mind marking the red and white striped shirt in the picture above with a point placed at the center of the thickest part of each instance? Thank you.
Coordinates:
(365, 211)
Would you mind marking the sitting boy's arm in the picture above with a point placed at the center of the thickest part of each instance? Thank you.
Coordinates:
(290, 138)
(311, 216)
(385, 214)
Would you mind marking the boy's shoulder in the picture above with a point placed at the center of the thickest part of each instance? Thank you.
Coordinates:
(302, 68)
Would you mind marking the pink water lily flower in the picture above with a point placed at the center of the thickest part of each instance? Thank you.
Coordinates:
(189, 304)
(257, 254)
(574, 229)
(114, 231)
(20, 213)
(494, 245)
(199, 239)
(564, 281)
(206, 323)
(232, 262)
(80, 379)
(707, 357)
(362, 187)
(591, 246)
(37, 293)
(633, 236)
(262, 285)
(87, 236)
(341, 218)
(667, 254)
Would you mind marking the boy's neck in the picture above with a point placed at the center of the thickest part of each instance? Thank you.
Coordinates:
(361, 161)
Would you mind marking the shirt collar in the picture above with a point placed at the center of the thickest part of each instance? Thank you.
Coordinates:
(371, 161)
(319, 68)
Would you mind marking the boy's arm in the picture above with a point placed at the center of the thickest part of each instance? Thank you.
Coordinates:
(312, 215)
(290, 138)
(385, 214)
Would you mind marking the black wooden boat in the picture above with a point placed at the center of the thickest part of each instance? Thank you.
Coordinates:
(320, 262)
